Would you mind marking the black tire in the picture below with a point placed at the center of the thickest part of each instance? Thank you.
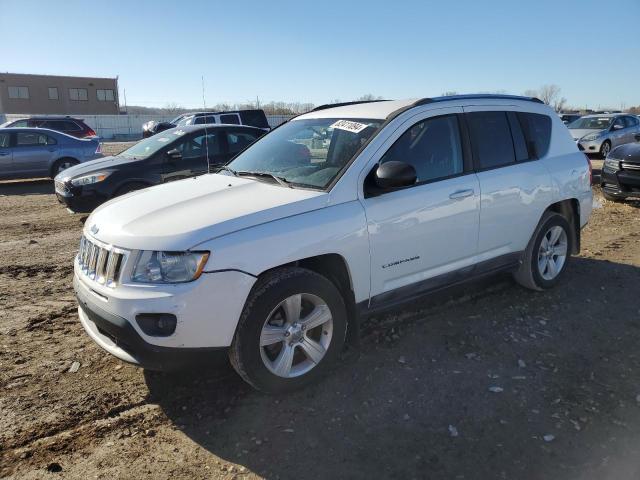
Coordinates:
(62, 162)
(612, 198)
(529, 275)
(130, 187)
(268, 292)
(605, 148)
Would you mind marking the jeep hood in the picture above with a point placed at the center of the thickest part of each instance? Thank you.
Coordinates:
(182, 214)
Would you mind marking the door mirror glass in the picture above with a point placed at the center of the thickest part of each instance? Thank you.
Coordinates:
(395, 174)
(174, 154)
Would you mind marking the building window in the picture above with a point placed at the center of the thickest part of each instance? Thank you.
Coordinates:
(78, 94)
(19, 92)
(53, 93)
(105, 95)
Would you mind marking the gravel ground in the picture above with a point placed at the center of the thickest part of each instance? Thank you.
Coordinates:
(489, 381)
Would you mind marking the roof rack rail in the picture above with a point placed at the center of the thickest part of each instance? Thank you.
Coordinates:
(476, 96)
(344, 104)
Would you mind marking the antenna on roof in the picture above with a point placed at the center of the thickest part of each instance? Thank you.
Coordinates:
(206, 138)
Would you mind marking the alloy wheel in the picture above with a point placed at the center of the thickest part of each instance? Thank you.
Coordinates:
(296, 335)
(552, 253)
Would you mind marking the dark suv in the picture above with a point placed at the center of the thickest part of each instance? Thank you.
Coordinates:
(174, 154)
(252, 118)
(69, 125)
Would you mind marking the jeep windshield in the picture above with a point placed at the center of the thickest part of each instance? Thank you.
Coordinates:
(307, 153)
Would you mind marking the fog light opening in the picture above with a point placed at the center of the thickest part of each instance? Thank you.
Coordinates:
(157, 324)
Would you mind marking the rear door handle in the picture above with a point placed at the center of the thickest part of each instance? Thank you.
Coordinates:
(461, 194)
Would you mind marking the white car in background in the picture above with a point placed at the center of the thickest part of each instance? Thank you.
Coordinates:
(277, 258)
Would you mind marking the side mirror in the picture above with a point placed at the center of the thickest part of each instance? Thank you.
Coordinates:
(174, 154)
(617, 126)
(395, 175)
(637, 136)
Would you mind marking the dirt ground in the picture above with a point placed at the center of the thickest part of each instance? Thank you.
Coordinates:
(489, 381)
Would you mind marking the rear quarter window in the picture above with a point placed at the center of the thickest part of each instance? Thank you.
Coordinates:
(537, 131)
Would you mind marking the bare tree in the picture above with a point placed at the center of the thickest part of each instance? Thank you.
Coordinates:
(367, 98)
(173, 108)
(549, 94)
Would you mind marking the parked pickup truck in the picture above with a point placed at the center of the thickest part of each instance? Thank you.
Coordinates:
(277, 258)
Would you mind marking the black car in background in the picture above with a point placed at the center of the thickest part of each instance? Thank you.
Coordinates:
(174, 154)
(252, 118)
(620, 177)
(69, 125)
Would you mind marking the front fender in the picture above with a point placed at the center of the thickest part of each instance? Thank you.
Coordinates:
(339, 229)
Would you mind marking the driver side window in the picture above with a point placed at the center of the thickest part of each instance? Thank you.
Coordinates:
(432, 147)
(195, 147)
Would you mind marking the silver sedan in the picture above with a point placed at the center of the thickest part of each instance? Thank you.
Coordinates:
(599, 134)
(39, 152)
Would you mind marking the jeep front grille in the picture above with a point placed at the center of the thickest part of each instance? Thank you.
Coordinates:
(100, 263)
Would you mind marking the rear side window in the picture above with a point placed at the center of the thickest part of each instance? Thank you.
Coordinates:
(230, 119)
(25, 139)
(19, 123)
(537, 131)
(490, 136)
(255, 118)
(432, 147)
(205, 119)
(61, 125)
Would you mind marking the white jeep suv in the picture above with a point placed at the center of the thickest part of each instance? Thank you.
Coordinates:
(341, 212)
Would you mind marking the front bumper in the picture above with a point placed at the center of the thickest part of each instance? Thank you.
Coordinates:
(621, 183)
(78, 199)
(589, 147)
(117, 336)
(207, 312)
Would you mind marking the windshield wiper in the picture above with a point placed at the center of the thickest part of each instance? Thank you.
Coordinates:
(281, 180)
(228, 169)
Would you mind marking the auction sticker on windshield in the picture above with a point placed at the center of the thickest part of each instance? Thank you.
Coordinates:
(349, 126)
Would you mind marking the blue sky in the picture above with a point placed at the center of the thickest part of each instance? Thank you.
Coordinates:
(320, 51)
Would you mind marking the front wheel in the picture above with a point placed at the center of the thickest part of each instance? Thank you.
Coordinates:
(605, 148)
(291, 330)
(612, 198)
(547, 254)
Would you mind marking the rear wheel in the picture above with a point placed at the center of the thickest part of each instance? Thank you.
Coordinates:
(61, 165)
(547, 254)
(605, 148)
(291, 330)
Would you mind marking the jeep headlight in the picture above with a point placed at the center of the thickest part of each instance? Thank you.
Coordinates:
(89, 179)
(591, 137)
(169, 267)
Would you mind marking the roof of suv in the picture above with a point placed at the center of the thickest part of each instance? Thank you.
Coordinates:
(209, 126)
(383, 109)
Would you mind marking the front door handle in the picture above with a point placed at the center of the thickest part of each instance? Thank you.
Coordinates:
(461, 194)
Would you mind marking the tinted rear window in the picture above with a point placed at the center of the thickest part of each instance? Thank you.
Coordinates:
(255, 118)
(537, 131)
(490, 139)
